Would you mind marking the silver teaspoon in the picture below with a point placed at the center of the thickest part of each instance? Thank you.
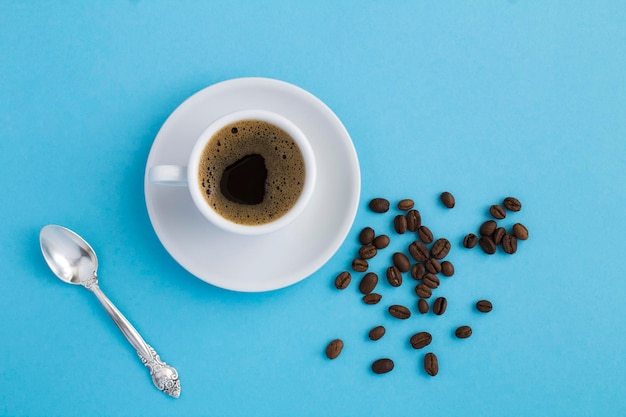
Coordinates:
(74, 262)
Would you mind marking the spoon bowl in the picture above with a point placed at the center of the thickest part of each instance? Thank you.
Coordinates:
(69, 257)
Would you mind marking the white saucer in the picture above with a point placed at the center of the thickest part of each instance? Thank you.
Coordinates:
(256, 263)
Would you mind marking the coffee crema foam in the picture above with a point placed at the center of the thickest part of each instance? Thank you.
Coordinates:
(283, 161)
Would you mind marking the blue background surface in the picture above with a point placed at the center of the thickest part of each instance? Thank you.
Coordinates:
(484, 99)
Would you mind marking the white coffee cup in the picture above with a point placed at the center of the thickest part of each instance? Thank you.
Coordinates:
(187, 176)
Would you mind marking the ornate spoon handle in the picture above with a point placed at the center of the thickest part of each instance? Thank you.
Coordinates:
(164, 377)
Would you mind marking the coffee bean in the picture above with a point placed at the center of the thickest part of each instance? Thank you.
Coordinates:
(372, 298)
(401, 261)
(431, 365)
(420, 340)
(484, 306)
(399, 224)
(463, 332)
(360, 265)
(440, 305)
(470, 240)
(447, 268)
(425, 234)
(381, 241)
(343, 280)
(497, 211)
(447, 199)
(366, 236)
(498, 235)
(423, 291)
(487, 228)
(368, 283)
(520, 231)
(418, 271)
(334, 348)
(433, 266)
(406, 204)
(413, 220)
(419, 251)
(394, 277)
(431, 281)
(399, 312)
(422, 306)
(440, 248)
(512, 204)
(487, 245)
(509, 244)
(367, 251)
(376, 333)
(382, 366)
(379, 205)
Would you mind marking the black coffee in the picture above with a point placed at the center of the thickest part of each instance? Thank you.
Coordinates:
(244, 181)
(251, 172)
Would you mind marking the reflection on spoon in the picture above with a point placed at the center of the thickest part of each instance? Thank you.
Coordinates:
(73, 261)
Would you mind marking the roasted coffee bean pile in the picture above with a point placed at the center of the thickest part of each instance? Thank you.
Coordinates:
(424, 260)
(491, 235)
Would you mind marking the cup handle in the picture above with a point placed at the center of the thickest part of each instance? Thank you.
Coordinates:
(175, 175)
